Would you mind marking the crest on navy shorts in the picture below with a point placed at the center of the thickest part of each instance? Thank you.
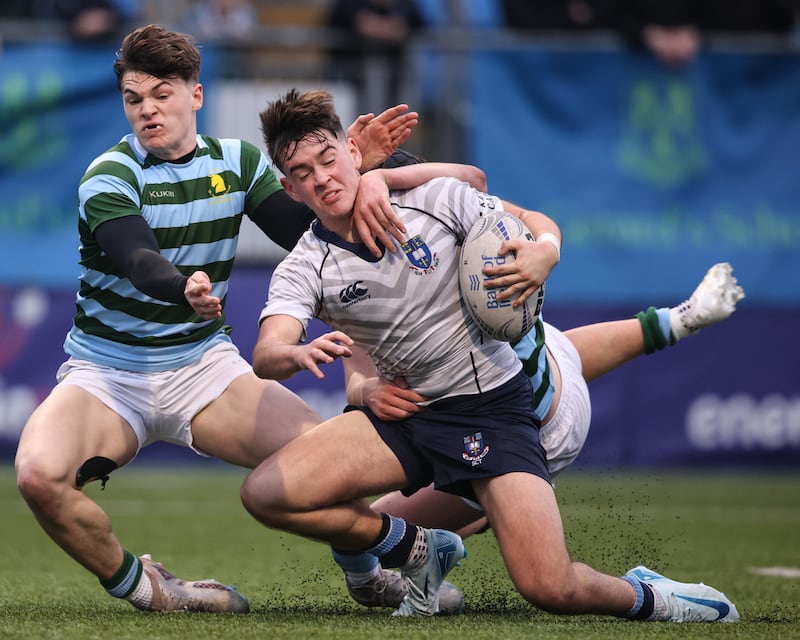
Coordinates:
(474, 449)
(418, 252)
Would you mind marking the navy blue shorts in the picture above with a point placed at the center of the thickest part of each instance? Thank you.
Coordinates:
(470, 437)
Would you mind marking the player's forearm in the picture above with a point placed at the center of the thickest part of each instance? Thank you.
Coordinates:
(273, 361)
(411, 176)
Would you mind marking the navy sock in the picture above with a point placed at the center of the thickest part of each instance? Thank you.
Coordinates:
(395, 541)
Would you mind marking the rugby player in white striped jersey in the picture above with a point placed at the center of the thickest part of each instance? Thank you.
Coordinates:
(478, 436)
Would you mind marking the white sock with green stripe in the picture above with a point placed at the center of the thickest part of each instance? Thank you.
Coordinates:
(130, 582)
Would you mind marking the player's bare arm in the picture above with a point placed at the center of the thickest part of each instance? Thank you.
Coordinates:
(374, 217)
(278, 354)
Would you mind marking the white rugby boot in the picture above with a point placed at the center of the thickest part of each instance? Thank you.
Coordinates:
(685, 602)
(714, 300)
(443, 551)
(389, 588)
(171, 593)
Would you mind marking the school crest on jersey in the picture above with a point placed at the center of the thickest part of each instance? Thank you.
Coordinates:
(474, 449)
(218, 186)
(419, 255)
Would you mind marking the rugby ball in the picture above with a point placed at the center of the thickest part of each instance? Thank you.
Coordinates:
(481, 249)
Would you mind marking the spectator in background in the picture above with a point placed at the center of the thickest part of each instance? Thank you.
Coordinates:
(222, 20)
(369, 46)
(546, 15)
(674, 30)
(85, 20)
(229, 25)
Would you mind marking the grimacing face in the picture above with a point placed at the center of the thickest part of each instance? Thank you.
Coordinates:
(324, 175)
(162, 112)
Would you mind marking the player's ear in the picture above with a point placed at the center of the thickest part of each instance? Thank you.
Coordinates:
(355, 153)
(289, 189)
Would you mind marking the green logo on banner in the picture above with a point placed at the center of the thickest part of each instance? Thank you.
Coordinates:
(660, 144)
(33, 131)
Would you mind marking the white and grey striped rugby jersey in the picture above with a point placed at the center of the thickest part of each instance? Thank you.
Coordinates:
(404, 309)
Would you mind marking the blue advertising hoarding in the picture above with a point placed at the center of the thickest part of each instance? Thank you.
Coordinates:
(653, 174)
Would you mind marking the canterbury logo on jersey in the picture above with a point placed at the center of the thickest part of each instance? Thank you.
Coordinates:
(353, 293)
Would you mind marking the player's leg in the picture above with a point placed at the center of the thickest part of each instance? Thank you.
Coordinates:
(79, 434)
(299, 489)
(68, 429)
(250, 420)
(526, 520)
(605, 346)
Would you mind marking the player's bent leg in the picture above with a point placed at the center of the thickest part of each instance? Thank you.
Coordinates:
(299, 489)
(70, 427)
(525, 518)
(251, 420)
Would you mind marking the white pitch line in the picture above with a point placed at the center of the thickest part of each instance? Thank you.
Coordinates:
(781, 572)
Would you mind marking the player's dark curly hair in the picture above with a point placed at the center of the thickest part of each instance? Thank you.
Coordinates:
(298, 117)
(160, 53)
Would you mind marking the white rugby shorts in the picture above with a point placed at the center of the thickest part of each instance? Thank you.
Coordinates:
(160, 405)
(565, 433)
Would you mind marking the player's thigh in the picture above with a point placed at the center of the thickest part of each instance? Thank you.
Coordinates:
(342, 459)
(525, 518)
(251, 420)
(69, 427)
(429, 508)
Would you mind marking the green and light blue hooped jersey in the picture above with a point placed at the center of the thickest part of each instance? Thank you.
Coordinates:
(195, 210)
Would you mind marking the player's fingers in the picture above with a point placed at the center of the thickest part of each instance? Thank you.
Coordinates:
(391, 113)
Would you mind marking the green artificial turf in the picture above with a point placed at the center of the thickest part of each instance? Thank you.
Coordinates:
(692, 527)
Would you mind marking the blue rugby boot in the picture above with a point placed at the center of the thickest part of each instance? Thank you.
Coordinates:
(424, 575)
(685, 602)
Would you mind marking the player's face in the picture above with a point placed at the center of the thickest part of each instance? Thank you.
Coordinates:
(323, 173)
(162, 113)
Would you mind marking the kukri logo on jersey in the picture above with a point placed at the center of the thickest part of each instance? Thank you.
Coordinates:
(419, 255)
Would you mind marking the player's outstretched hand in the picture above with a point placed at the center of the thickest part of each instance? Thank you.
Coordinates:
(378, 136)
(324, 350)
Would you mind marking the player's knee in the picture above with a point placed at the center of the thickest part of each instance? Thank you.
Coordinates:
(553, 596)
(262, 503)
(43, 492)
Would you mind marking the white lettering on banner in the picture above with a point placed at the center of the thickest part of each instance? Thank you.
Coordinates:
(742, 422)
(16, 406)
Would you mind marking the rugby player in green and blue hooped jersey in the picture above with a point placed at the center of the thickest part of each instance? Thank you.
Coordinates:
(149, 353)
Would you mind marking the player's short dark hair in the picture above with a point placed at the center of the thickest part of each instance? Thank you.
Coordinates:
(297, 117)
(159, 53)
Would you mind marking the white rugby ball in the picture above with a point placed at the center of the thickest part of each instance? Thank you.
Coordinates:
(481, 249)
